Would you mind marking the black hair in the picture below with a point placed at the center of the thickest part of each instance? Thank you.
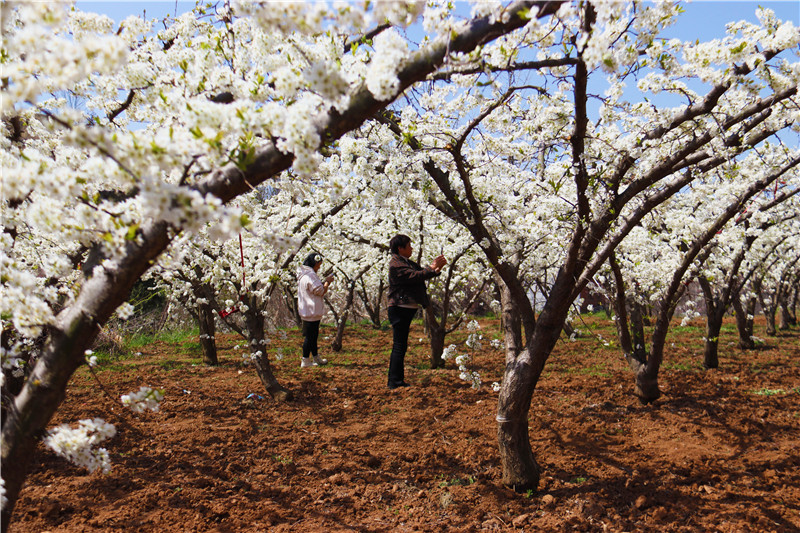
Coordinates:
(399, 241)
(312, 260)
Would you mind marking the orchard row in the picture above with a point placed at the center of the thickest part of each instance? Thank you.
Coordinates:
(552, 151)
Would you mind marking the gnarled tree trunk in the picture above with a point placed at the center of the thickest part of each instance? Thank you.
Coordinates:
(437, 334)
(204, 314)
(257, 342)
(744, 321)
(372, 307)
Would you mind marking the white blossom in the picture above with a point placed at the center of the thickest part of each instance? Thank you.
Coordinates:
(77, 444)
(145, 398)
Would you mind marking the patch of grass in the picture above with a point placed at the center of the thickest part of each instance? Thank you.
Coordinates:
(178, 336)
(598, 370)
(684, 366)
(469, 480)
(192, 347)
(116, 367)
(768, 392)
(172, 364)
(104, 358)
(689, 328)
(139, 340)
(761, 368)
(282, 459)
(578, 480)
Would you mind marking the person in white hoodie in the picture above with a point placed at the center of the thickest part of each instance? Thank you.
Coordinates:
(310, 290)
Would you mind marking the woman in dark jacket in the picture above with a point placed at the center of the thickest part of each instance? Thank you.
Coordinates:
(407, 293)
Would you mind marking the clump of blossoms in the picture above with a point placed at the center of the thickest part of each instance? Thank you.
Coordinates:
(12, 362)
(249, 357)
(473, 342)
(145, 398)
(390, 51)
(76, 445)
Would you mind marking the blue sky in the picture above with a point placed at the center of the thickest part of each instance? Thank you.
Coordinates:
(703, 19)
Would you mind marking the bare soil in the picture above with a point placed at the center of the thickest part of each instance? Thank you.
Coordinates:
(720, 451)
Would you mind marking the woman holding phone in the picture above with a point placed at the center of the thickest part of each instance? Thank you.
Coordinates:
(407, 293)
(310, 291)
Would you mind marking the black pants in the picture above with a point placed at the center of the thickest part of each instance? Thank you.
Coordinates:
(400, 318)
(310, 336)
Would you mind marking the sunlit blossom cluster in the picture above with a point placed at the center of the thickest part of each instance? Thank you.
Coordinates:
(143, 400)
(462, 360)
(77, 445)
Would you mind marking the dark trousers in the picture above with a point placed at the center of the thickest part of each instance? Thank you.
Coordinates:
(310, 336)
(400, 318)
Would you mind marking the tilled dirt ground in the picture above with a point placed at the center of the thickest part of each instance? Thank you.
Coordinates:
(720, 451)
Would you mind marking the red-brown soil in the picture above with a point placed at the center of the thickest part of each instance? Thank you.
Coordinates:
(720, 451)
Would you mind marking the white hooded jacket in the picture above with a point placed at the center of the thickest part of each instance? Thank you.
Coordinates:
(310, 291)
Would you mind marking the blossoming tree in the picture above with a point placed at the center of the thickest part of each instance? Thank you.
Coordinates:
(503, 144)
(170, 126)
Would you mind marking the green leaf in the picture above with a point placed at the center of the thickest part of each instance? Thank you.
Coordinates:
(131, 234)
(740, 48)
(156, 149)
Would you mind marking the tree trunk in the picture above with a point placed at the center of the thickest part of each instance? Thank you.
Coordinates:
(769, 315)
(744, 322)
(628, 333)
(521, 472)
(205, 317)
(646, 385)
(715, 311)
(336, 343)
(43, 392)
(437, 335)
(785, 322)
(258, 345)
(713, 327)
(522, 372)
(341, 321)
(637, 331)
(290, 299)
(373, 311)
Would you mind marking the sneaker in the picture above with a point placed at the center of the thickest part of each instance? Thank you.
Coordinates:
(306, 362)
(320, 361)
